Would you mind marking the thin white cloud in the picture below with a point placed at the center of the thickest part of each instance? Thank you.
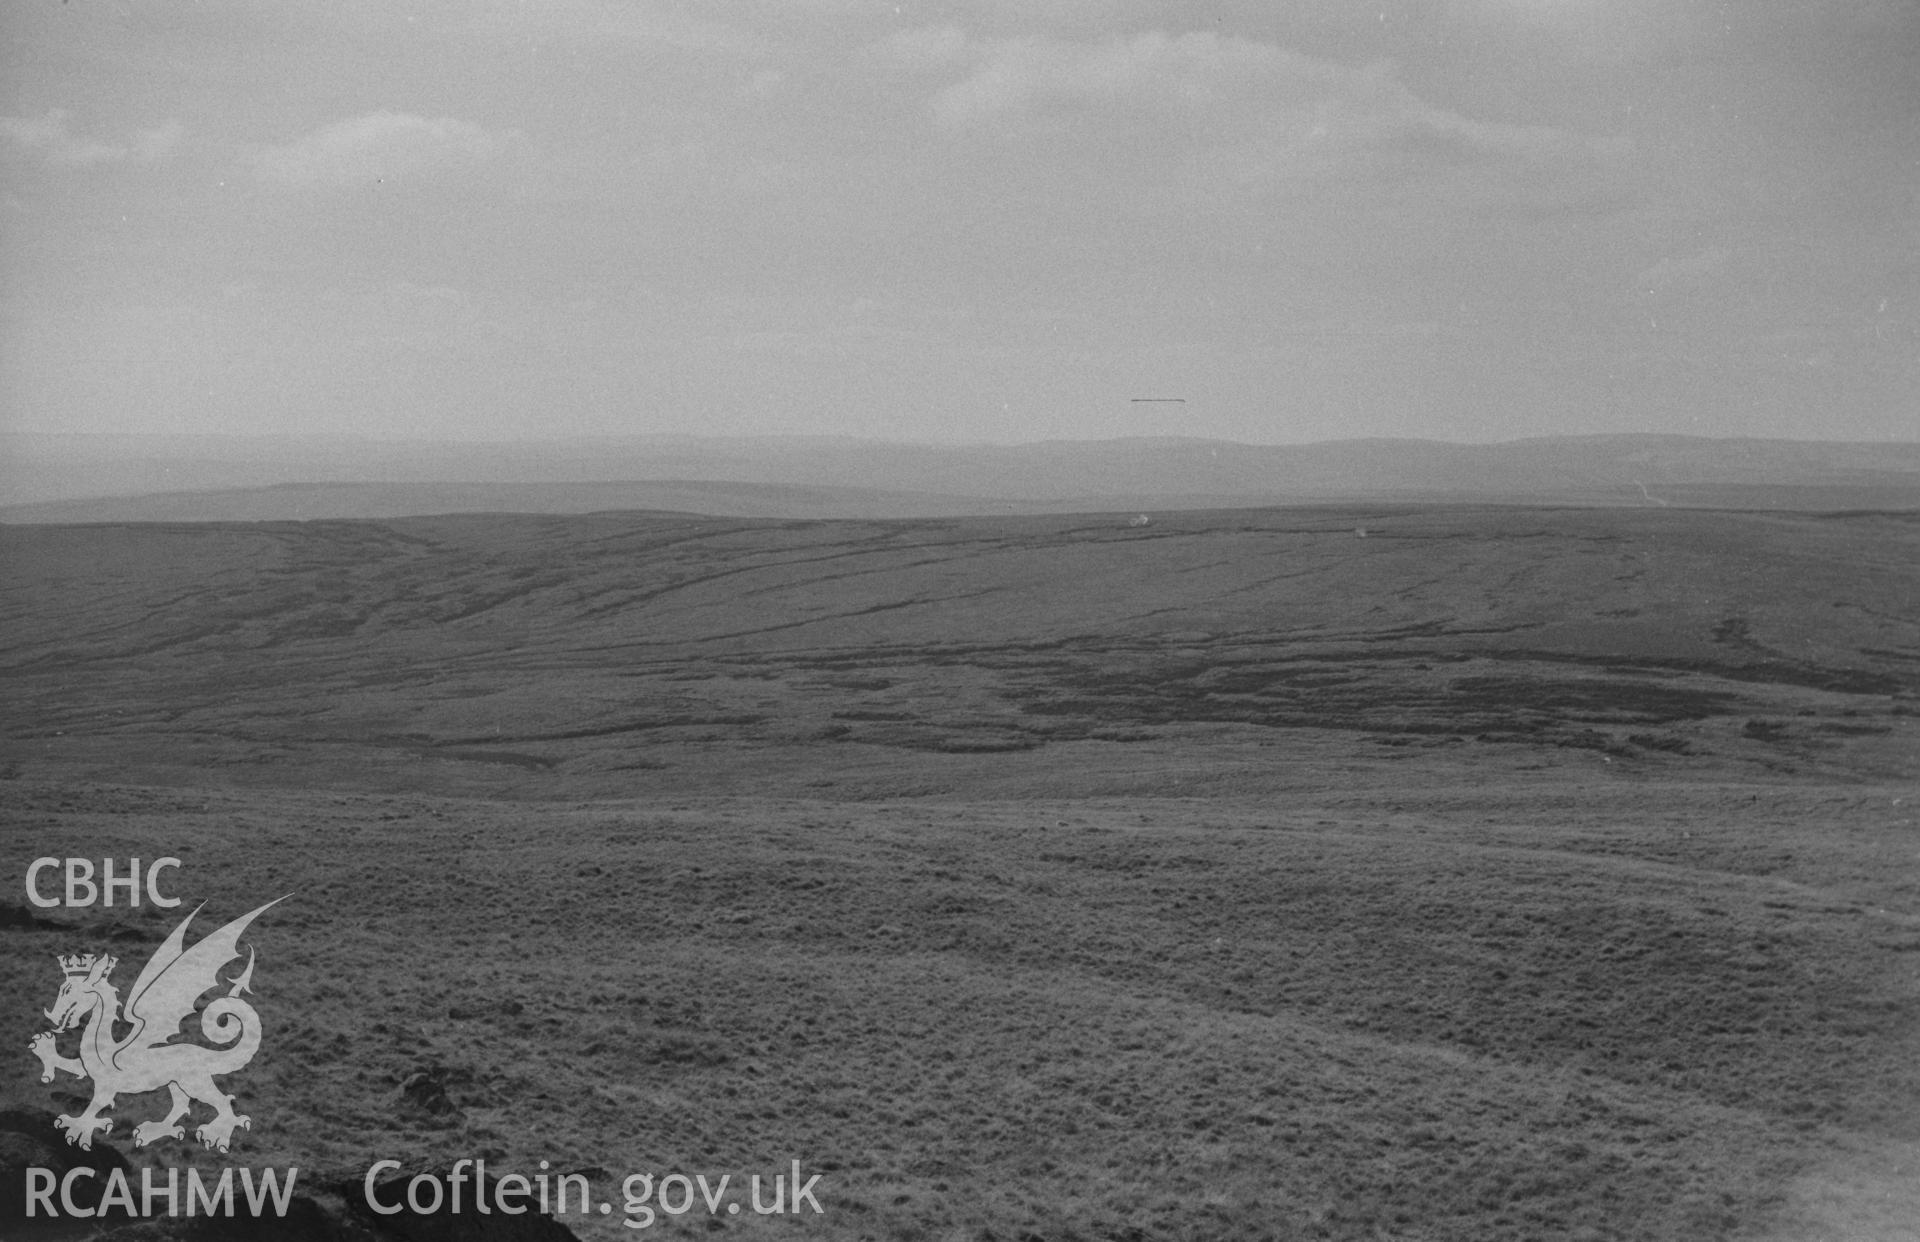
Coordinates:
(687, 28)
(924, 46)
(1013, 77)
(159, 141)
(821, 327)
(1276, 108)
(1683, 270)
(373, 146)
(51, 136)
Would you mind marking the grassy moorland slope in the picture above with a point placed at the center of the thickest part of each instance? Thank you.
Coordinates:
(1493, 874)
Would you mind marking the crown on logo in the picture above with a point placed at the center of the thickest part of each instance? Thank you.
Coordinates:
(78, 964)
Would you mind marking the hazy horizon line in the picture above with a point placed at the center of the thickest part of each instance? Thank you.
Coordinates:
(842, 437)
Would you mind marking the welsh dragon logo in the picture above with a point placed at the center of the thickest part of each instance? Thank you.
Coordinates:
(162, 998)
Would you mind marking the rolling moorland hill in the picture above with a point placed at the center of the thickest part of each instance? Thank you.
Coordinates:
(79, 478)
(1342, 872)
(620, 652)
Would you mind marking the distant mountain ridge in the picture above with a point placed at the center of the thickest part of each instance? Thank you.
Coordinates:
(63, 478)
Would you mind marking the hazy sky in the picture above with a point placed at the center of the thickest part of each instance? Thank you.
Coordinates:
(998, 220)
